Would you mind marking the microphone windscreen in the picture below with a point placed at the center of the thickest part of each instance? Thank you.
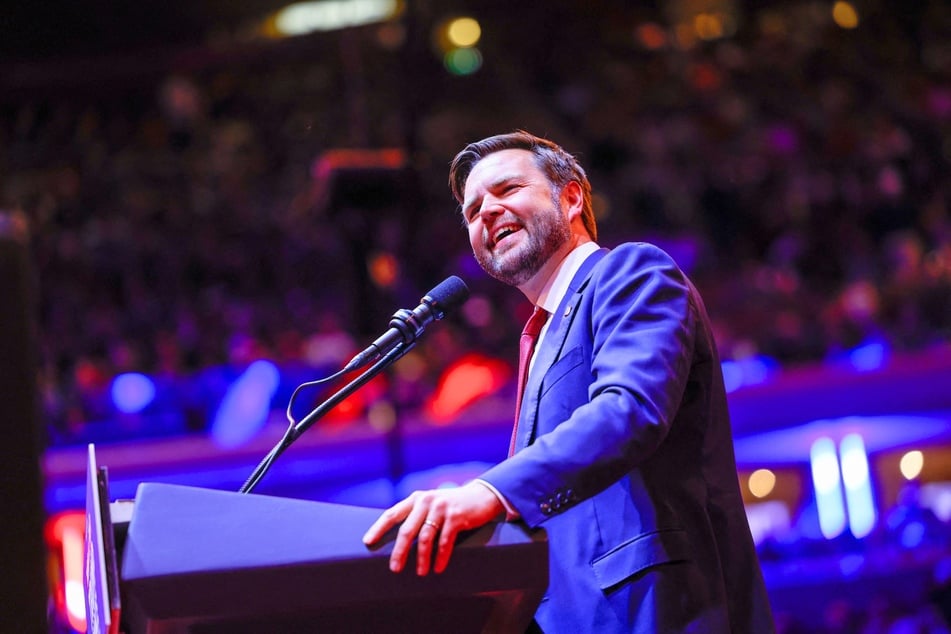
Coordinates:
(448, 295)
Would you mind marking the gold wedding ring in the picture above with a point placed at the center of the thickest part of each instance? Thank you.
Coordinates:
(429, 522)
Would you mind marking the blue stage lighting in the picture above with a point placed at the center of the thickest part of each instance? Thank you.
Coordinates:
(732, 375)
(132, 392)
(858, 485)
(868, 356)
(827, 481)
(246, 405)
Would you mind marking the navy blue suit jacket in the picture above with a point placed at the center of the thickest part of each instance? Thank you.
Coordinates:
(624, 455)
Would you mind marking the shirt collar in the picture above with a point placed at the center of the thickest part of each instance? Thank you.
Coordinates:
(557, 285)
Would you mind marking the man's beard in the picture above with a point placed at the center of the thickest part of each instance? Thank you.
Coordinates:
(547, 232)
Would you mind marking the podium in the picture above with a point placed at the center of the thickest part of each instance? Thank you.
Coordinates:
(203, 561)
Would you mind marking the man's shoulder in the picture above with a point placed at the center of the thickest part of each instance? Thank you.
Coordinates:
(635, 255)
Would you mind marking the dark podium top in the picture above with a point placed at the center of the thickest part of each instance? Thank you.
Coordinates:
(204, 561)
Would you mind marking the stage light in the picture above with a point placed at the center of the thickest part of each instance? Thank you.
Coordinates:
(762, 482)
(827, 484)
(868, 356)
(65, 535)
(246, 405)
(858, 485)
(464, 382)
(463, 61)
(454, 33)
(73, 544)
(132, 392)
(464, 32)
(845, 15)
(327, 15)
(748, 371)
(911, 464)
(732, 375)
(455, 40)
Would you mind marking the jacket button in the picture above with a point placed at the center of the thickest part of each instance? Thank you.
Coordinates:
(545, 508)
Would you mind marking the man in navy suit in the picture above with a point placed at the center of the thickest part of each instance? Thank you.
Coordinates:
(622, 450)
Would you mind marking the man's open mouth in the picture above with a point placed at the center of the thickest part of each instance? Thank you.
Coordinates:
(504, 232)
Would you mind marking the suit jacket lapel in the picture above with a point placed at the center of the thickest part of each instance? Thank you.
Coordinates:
(549, 350)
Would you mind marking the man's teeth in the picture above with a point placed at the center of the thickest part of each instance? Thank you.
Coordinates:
(504, 232)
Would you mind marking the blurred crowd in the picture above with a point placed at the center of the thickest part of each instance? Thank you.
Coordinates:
(181, 220)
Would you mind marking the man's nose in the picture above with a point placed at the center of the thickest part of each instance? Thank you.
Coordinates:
(490, 208)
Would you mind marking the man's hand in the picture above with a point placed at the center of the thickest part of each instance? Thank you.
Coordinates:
(434, 517)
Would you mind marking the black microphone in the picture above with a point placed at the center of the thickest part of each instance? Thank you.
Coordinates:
(407, 325)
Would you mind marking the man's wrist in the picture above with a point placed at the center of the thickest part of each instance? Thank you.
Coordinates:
(510, 511)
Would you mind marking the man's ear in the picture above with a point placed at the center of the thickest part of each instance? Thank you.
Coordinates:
(572, 200)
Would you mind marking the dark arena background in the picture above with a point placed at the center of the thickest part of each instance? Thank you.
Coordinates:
(205, 204)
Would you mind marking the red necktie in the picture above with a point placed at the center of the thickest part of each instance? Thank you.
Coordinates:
(526, 346)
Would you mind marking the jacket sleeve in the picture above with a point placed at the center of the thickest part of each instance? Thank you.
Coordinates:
(609, 399)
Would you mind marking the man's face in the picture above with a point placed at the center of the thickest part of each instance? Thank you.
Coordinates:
(514, 218)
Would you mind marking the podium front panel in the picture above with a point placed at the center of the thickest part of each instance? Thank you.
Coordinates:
(204, 561)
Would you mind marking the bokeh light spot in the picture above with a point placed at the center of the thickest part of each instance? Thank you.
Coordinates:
(911, 464)
(762, 482)
(463, 61)
(464, 32)
(845, 15)
(132, 392)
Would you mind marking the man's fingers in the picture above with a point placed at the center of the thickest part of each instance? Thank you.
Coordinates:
(379, 528)
(432, 520)
(447, 539)
(387, 520)
(428, 534)
(408, 533)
